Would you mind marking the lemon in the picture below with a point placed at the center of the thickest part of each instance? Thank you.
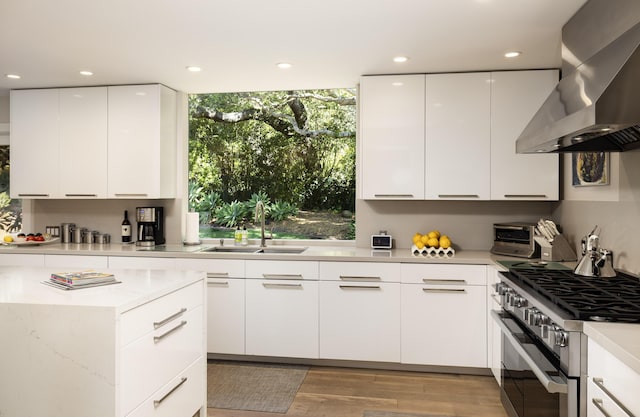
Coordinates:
(434, 234)
(417, 237)
(445, 242)
(8, 238)
(424, 239)
(432, 242)
(419, 244)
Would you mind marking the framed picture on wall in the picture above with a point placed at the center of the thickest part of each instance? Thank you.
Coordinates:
(590, 168)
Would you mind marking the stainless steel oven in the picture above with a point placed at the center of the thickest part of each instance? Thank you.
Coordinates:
(533, 383)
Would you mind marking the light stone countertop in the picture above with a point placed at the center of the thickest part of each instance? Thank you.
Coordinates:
(314, 253)
(620, 339)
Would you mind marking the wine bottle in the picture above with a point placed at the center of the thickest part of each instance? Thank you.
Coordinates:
(126, 228)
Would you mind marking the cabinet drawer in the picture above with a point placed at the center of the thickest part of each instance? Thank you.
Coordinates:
(215, 268)
(618, 378)
(182, 396)
(149, 317)
(444, 274)
(129, 262)
(282, 270)
(151, 361)
(360, 271)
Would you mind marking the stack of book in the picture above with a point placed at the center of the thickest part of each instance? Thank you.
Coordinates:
(83, 279)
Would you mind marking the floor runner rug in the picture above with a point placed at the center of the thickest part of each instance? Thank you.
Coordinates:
(253, 387)
(376, 413)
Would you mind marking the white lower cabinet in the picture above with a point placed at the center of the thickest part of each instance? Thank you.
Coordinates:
(360, 311)
(612, 385)
(282, 308)
(130, 262)
(75, 261)
(225, 302)
(21, 259)
(444, 315)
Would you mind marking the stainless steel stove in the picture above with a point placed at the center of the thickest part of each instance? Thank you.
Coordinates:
(543, 311)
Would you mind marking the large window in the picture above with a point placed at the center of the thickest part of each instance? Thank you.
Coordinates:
(10, 210)
(294, 151)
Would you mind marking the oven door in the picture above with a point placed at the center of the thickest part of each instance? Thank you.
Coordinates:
(532, 386)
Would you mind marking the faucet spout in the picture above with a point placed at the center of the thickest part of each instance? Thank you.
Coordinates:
(260, 206)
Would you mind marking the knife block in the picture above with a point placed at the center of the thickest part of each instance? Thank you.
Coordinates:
(556, 250)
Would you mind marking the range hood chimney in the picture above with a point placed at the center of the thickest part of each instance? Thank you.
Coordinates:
(596, 106)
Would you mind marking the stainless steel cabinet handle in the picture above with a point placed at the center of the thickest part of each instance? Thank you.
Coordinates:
(282, 276)
(161, 323)
(217, 274)
(393, 195)
(598, 403)
(130, 194)
(156, 403)
(218, 283)
(360, 287)
(359, 278)
(447, 290)
(443, 281)
(458, 196)
(600, 384)
(81, 195)
(525, 196)
(271, 285)
(32, 195)
(156, 339)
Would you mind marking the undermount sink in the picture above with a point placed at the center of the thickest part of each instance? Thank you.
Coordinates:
(256, 249)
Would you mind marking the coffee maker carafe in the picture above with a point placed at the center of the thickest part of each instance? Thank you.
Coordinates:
(150, 226)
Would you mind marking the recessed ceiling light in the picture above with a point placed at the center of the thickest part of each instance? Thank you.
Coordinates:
(87, 73)
(13, 76)
(400, 59)
(284, 65)
(512, 54)
(194, 69)
(397, 84)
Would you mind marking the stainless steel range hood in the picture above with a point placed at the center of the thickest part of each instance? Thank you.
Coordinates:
(594, 108)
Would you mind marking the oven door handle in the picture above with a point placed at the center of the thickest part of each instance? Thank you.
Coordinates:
(550, 385)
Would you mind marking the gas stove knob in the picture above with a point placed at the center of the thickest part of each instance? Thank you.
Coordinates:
(512, 299)
(521, 302)
(544, 331)
(561, 338)
(543, 320)
(500, 287)
(529, 314)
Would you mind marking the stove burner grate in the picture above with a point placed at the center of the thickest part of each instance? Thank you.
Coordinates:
(586, 298)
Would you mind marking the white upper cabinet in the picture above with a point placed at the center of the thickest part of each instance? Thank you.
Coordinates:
(458, 136)
(35, 144)
(83, 142)
(515, 98)
(392, 136)
(142, 141)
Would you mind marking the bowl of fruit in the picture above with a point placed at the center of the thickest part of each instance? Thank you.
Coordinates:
(432, 243)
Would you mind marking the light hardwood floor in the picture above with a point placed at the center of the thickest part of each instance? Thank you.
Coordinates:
(342, 392)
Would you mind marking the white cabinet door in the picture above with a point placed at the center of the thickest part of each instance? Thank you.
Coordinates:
(282, 318)
(620, 384)
(18, 259)
(444, 320)
(392, 136)
(76, 261)
(515, 97)
(130, 262)
(142, 142)
(458, 136)
(225, 302)
(35, 144)
(83, 142)
(360, 321)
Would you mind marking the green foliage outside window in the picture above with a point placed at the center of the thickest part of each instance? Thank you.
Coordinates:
(292, 150)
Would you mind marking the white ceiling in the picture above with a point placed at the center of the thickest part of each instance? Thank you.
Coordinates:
(238, 42)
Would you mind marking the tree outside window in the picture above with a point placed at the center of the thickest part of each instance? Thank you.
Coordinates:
(292, 150)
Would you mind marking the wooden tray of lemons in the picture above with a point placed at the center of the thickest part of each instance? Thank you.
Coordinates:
(432, 244)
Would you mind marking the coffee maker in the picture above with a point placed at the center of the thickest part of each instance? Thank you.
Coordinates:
(150, 226)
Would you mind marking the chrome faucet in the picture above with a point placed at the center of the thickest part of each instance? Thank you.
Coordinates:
(260, 206)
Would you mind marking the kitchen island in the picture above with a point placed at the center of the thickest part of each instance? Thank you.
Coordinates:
(133, 348)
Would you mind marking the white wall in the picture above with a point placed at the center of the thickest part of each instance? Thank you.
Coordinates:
(4, 109)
